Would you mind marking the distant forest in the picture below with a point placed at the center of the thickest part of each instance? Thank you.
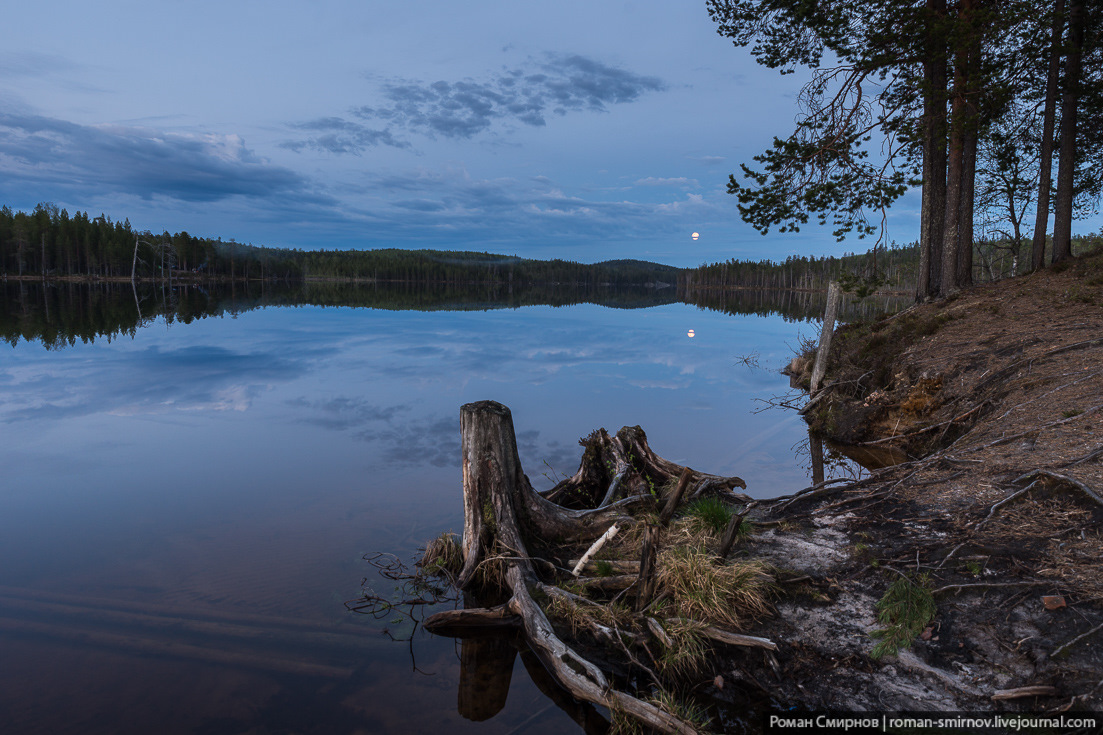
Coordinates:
(49, 243)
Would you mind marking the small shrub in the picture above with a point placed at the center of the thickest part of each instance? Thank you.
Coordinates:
(1072, 412)
(905, 610)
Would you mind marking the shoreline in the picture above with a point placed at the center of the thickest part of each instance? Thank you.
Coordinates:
(994, 398)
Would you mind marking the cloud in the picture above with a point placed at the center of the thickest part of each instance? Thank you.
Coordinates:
(343, 412)
(199, 377)
(139, 161)
(709, 160)
(678, 181)
(32, 64)
(433, 440)
(466, 108)
(426, 205)
(341, 136)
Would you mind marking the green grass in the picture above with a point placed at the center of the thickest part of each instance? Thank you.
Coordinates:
(711, 514)
(905, 610)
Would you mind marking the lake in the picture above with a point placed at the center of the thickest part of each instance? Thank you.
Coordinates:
(191, 479)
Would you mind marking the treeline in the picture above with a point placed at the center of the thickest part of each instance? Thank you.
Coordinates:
(892, 269)
(895, 268)
(51, 243)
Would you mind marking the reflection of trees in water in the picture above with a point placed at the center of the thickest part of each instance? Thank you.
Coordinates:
(822, 461)
(58, 314)
(794, 305)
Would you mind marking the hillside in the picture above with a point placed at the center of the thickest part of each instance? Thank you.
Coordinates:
(993, 401)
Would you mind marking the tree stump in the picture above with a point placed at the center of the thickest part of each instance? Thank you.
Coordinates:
(500, 510)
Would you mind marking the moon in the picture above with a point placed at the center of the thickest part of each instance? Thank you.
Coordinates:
(689, 333)
(695, 235)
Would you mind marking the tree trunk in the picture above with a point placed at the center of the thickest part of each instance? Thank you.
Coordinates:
(933, 213)
(1066, 168)
(960, 122)
(964, 276)
(1041, 219)
(951, 238)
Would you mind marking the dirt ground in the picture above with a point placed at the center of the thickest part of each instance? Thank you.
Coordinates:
(994, 401)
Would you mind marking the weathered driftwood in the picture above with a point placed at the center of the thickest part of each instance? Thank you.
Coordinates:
(1021, 692)
(731, 533)
(500, 509)
(649, 552)
(625, 466)
(828, 329)
(617, 567)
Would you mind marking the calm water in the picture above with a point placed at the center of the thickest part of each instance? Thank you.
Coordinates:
(183, 510)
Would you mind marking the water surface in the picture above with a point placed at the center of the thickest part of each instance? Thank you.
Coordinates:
(186, 498)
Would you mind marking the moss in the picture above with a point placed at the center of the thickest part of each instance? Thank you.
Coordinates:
(489, 520)
(604, 568)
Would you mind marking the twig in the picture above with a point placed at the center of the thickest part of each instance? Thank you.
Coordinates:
(823, 488)
(657, 629)
(1080, 697)
(675, 497)
(1005, 501)
(955, 460)
(1093, 454)
(614, 486)
(732, 531)
(1076, 640)
(975, 585)
(1036, 429)
(1061, 387)
(633, 659)
(925, 429)
(1004, 372)
(950, 555)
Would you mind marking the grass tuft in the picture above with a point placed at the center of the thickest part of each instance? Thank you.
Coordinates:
(686, 710)
(723, 594)
(709, 514)
(580, 616)
(443, 556)
(688, 653)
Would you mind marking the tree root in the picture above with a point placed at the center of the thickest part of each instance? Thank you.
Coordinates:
(1092, 494)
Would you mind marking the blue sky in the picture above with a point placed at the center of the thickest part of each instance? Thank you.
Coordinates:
(581, 130)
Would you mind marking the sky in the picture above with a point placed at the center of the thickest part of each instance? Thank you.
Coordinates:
(580, 130)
